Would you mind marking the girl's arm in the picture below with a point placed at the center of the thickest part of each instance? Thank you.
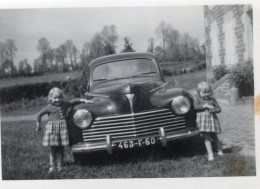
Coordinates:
(198, 106)
(39, 116)
(79, 100)
(217, 107)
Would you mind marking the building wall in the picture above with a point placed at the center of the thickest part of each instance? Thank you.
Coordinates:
(228, 34)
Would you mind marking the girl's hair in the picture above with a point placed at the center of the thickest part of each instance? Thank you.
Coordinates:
(202, 86)
(55, 90)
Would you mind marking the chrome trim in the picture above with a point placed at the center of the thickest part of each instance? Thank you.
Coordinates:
(109, 144)
(133, 125)
(130, 98)
(93, 147)
(163, 85)
(107, 130)
(131, 117)
(128, 115)
(137, 121)
(136, 131)
(115, 136)
(163, 137)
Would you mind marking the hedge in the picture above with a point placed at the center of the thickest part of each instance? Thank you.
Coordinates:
(71, 88)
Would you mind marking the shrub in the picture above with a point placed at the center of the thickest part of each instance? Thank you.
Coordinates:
(166, 72)
(243, 77)
(219, 71)
(16, 93)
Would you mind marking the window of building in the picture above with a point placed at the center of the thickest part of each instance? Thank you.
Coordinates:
(248, 34)
(215, 59)
(230, 42)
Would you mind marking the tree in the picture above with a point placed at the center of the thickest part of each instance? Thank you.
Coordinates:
(150, 45)
(127, 46)
(2, 59)
(69, 49)
(161, 31)
(24, 68)
(2, 53)
(97, 48)
(85, 54)
(60, 57)
(75, 56)
(172, 44)
(50, 56)
(158, 51)
(10, 49)
(43, 46)
(109, 37)
(37, 66)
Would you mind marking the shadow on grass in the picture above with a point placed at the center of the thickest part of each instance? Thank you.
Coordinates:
(174, 151)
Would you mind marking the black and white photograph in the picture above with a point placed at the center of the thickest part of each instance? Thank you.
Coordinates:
(128, 92)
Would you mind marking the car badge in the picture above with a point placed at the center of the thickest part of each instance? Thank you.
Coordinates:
(130, 97)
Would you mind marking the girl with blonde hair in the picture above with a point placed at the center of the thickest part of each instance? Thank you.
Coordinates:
(207, 121)
(56, 132)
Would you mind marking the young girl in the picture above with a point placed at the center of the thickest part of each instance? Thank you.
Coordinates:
(56, 133)
(207, 121)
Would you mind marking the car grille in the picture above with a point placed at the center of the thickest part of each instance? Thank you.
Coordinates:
(125, 126)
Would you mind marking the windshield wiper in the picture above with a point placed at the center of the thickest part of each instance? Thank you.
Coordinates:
(102, 79)
(142, 73)
(134, 75)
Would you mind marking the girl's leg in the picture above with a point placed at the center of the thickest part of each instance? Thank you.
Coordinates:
(53, 151)
(217, 142)
(60, 157)
(208, 146)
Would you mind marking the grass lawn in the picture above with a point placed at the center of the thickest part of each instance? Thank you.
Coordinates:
(187, 81)
(23, 157)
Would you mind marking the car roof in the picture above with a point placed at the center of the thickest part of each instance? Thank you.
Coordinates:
(121, 56)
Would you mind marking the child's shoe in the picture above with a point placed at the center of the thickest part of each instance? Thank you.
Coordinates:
(220, 153)
(51, 170)
(210, 157)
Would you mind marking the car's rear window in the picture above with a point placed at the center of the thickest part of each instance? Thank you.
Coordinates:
(124, 69)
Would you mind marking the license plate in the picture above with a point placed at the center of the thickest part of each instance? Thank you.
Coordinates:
(136, 143)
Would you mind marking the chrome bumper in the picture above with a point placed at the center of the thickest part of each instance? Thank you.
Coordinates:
(108, 146)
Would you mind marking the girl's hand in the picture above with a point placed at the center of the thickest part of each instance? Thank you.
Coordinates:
(211, 107)
(212, 110)
(87, 101)
(38, 127)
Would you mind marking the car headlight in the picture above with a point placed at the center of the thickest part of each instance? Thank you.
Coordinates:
(82, 118)
(180, 105)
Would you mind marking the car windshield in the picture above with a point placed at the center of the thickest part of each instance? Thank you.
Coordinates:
(125, 69)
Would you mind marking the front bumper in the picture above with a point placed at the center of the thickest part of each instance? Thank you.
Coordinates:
(108, 146)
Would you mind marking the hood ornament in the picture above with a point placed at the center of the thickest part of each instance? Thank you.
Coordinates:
(130, 98)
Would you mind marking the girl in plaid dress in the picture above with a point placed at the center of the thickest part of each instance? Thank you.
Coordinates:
(207, 121)
(55, 132)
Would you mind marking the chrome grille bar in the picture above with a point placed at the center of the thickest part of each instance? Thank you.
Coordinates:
(133, 125)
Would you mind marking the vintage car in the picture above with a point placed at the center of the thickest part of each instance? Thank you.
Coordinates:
(132, 106)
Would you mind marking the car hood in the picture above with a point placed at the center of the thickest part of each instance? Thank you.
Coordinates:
(129, 87)
(130, 97)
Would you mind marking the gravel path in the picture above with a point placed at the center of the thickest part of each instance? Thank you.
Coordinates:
(238, 127)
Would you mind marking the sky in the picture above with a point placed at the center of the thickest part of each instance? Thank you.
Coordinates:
(27, 26)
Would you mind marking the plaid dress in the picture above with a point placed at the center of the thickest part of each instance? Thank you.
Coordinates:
(208, 122)
(56, 134)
